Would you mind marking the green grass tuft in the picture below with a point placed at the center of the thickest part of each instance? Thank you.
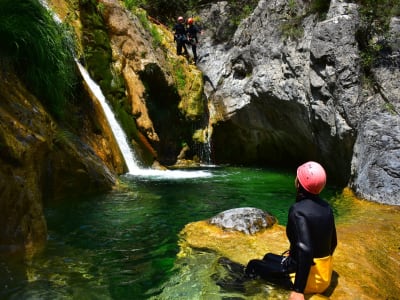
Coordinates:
(39, 50)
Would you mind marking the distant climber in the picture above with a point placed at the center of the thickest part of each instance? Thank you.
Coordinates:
(180, 36)
(192, 32)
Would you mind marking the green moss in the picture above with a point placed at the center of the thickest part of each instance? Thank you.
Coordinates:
(180, 77)
(98, 57)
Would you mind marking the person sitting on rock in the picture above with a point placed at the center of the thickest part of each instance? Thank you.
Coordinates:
(311, 231)
(180, 36)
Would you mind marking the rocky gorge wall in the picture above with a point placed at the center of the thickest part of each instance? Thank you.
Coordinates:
(279, 100)
(43, 160)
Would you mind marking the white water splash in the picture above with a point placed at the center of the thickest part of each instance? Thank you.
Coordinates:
(171, 174)
(116, 128)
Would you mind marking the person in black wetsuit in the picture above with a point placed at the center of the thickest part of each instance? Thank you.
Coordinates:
(312, 235)
(180, 36)
(192, 32)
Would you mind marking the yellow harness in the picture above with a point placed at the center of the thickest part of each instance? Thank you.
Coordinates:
(319, 277)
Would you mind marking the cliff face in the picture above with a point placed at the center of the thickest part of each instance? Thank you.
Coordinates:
(272, 100)
(135, 62)
(40, 160)
(281, 100)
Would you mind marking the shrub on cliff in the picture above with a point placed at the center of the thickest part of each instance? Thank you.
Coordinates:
(35, 47)
(375, 16)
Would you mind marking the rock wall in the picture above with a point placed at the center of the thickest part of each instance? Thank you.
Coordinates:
(161, 88)
(376, 159)
(40, 161)
(276, 99)
(43, 159)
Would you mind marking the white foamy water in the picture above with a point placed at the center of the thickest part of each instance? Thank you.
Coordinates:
(116, 128)
(171, 174)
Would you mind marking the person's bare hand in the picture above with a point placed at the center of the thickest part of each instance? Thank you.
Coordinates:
(296, 296)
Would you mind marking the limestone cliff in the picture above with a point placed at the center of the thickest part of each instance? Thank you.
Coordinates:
(280, 95)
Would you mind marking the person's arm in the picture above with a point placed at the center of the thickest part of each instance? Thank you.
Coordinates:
(303, 248)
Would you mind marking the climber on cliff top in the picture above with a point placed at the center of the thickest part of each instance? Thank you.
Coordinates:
(192, 32)
(180, 36)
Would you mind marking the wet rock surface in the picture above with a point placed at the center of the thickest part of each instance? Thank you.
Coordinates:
(39, 162)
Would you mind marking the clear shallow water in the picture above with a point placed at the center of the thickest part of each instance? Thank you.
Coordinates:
(123, 244)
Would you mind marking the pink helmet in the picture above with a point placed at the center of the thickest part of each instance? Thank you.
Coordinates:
(180, 19)
(312, 177)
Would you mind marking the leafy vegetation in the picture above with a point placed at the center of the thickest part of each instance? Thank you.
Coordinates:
(39, 50)
(241, 10)
(375, 17)
(319, 7)
(292, 27)
(142, 15)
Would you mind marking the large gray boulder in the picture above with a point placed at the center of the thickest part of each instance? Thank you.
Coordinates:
(248, 220)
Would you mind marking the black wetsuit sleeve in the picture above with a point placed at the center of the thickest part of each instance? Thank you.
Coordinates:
(302, 247)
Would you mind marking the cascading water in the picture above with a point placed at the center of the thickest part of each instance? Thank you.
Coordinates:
(119, 134)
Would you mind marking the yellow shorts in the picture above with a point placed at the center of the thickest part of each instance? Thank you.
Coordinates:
(320, 275)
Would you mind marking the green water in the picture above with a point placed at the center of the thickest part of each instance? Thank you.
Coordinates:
(122, 245)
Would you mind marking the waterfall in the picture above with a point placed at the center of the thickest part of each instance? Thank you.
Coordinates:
(120, 136)
(116, 128)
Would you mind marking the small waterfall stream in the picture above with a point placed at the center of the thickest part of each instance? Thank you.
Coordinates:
(116, 128)
(120, 136)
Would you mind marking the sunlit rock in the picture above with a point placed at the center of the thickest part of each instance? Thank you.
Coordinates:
(366, 260)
